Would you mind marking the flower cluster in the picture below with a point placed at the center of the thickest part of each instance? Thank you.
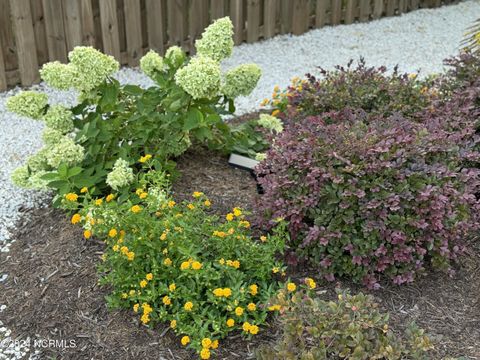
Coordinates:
(87, 69)
(121, 175)
(65, 151)
(216, 42)
(176, 273)
(151, 62)
(59, 118)
(28, 103)
(241, 80)
(271, 123)
(200, 78)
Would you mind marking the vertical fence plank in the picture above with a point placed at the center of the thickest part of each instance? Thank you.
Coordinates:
(39, 30)
(350, 11)
(365, 10)
(56, 42)
(253, 20)
(7, 37)
(236, 13)
(217, 8)
(73, 23)
(300, 22)
(377, 9)
(155, 19)
(402, 6)
(3, 75)
(25, 41)
(336, 15)
(286, 20)
(88, 24)
(413, 4)
(176, 29)
(133, 30)
(109, 26)
(198, 20)
(390, 7)
(320, 13)
(270, 19)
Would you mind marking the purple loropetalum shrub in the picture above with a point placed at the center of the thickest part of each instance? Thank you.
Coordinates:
(364, 198)
(373, 89)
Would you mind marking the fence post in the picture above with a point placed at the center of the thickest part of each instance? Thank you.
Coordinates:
(25, 41)
(155, 25)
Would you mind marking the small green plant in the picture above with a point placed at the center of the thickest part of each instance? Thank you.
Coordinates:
(113, 121)
(177, 263)
(350, 328)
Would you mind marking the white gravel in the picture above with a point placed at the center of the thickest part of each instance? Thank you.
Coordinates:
(416, 41)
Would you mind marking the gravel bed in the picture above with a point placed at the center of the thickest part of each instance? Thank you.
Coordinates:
(416, 41)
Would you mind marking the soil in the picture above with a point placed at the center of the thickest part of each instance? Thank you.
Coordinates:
(52, 293)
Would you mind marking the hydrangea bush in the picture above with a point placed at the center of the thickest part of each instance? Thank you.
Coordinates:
(115, 123)
(363, 198)
(352, 327)
(178, 263)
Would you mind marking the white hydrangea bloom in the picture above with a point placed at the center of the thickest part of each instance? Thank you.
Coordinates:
(51, 136)
(20, 177)
(260, 156)
(241, 80)
(91, 67)
(150, 63)
(65, 151)
(37, 161)
(58, 75)
(120, 176)
(217, 40)
(59, 118)
(36, 182)
(175, 55)
(270, 122)
(200, 78)
(28, 103)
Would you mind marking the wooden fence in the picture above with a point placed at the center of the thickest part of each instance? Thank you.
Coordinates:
(33, 32)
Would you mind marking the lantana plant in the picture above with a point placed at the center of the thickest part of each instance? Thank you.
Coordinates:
(176, 263)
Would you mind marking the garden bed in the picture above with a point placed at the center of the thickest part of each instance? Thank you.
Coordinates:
(52, 291)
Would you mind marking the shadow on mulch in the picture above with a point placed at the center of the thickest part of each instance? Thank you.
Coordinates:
(52, 292)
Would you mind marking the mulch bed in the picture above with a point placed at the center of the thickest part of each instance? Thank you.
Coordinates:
(52, 291)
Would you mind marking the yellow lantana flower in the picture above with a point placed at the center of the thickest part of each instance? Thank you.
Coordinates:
(166, 300)
(207, 203)
(71, 197)
(205, 354)
(237, 212)
(173, 324)
(196, 265)
(197, 194)
(135, 209)
(230, 323)
(188, 306)
(99, 202)
(185, 340)
(254, 289)
(229, 217)
(76, 218)
(291, 287)
(110, 197)
(238, 311)
(172, 287)
(252, 307)
(83, 190)
(87, 234)
(112, 233)
(149, 276)
(167, 262)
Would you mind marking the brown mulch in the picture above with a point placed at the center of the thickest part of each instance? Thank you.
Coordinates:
(52, 291)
